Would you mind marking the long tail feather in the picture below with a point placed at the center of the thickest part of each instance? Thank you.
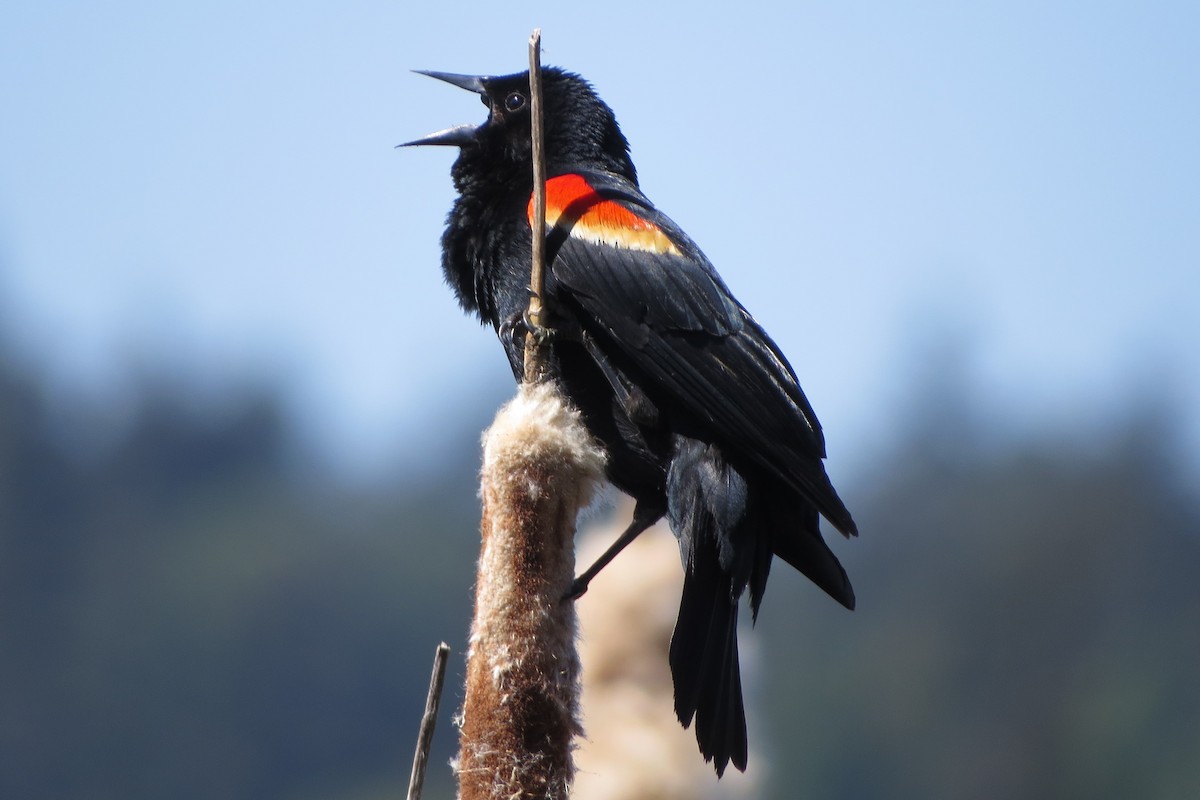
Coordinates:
(705, 667)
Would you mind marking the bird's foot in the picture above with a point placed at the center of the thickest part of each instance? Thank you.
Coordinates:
(579, 587)
(541, 334)
(518, 326)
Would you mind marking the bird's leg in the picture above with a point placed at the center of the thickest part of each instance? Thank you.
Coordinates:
(644, 515)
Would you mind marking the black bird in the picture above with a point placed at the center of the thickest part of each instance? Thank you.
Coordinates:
(701, 415)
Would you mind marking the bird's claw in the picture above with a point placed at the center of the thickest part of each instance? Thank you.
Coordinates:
(578, 589)
(510, 329)
(514, 327)
(541, 333)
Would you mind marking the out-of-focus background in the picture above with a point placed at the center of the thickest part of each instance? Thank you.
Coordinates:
(239, 411)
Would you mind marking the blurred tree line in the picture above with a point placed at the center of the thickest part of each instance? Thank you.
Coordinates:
(185, 612)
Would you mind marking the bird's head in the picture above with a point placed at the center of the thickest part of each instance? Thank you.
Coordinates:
(581, 130)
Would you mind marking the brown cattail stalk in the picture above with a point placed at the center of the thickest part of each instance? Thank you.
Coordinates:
(540, 467)
(520, 712)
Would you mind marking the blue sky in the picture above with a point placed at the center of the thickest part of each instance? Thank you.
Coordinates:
(212, 189)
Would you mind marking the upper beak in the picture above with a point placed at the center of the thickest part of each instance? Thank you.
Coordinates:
(472, 83)
(461, 135)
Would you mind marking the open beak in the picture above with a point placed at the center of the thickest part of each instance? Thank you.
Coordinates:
(461, 135)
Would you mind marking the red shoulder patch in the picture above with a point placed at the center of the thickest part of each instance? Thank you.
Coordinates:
(572, 202)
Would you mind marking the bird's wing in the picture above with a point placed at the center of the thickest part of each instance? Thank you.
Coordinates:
(654, 302)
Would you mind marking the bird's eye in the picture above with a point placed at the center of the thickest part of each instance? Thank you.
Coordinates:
(514, 102)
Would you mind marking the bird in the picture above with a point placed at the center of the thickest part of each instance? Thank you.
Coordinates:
(700, 414)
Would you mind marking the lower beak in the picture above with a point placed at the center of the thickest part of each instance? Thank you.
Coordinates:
(459, 136)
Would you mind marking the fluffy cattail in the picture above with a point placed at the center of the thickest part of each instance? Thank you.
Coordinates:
(520, 712)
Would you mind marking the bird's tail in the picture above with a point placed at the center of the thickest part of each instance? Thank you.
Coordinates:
(704, 662)
(707, 502)
(728, 530)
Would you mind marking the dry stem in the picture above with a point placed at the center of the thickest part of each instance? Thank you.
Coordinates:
(433, 699)
(535, 357)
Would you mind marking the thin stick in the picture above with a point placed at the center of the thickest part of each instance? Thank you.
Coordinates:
(534, 357)
(416, 780)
